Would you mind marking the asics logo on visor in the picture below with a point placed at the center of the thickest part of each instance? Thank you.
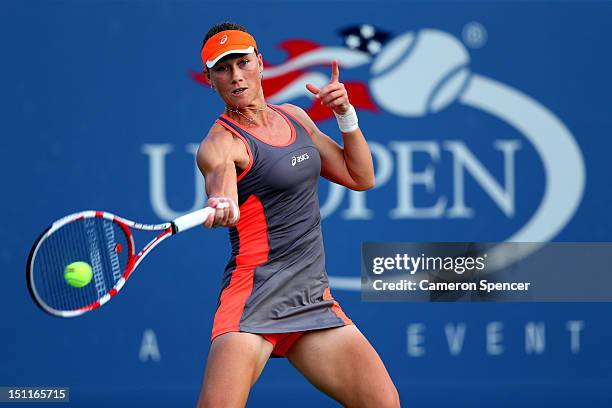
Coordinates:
(223, 39)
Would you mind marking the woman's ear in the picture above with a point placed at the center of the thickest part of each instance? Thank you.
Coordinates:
(260, 62)
(207, 76)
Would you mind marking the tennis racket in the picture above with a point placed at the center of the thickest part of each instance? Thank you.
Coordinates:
(102, 240)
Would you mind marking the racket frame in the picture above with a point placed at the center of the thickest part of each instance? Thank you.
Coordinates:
(132, 262)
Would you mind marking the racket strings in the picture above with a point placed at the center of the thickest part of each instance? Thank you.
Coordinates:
(99, 242)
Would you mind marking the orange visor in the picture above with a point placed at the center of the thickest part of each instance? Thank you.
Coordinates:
(227, 42)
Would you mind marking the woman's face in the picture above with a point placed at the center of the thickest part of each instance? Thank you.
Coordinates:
(237, 78)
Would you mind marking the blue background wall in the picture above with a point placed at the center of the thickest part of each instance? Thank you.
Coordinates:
(86, 86)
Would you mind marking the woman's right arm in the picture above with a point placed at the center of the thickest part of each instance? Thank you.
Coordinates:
(218, 156)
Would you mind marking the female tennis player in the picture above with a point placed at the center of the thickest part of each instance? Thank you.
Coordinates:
(261, 164)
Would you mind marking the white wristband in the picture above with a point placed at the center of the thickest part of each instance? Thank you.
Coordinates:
(348, 122)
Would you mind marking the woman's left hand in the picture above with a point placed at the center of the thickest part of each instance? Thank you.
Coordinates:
(332, 95)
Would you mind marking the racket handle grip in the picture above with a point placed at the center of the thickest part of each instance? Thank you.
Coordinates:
(193, 219)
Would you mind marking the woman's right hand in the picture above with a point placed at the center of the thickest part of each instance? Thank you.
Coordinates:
(227, 213)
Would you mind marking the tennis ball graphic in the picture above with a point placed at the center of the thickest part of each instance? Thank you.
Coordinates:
(416, 74)
(78, 274)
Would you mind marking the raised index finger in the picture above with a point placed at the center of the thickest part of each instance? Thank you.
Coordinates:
(335, 71)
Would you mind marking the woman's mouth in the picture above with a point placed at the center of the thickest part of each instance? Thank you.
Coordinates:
(239, 91)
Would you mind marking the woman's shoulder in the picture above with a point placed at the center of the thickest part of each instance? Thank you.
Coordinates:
(219, 138)
(217, 131)
(216, 135)
(221, 146)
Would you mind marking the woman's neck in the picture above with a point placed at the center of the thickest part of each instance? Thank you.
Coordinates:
(252, 116)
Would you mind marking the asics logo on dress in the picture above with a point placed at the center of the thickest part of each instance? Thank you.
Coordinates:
(299, 159)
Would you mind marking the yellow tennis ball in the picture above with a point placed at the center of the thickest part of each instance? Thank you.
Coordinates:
(78, 274)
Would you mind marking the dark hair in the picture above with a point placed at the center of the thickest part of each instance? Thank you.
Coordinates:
(217, 28)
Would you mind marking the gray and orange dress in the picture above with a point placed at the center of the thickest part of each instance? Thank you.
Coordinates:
(275, 283)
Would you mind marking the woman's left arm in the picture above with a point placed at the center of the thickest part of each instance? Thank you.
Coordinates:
(351, 165)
